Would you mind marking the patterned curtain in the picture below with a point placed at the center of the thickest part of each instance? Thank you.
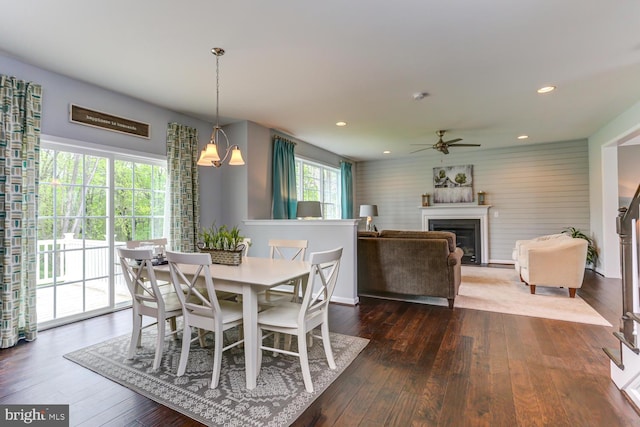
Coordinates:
(285, 199)
(184, 191)
(20, 111)
(346, 190)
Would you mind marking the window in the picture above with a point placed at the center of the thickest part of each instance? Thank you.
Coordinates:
(319, 183)
(89, 203)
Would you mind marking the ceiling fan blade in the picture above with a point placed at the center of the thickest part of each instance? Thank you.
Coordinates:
(453, 141)
(420, 144)
(465, 145)
(422, 149)
(443, 149)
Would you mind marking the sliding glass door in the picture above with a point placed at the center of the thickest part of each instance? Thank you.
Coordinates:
(90, 202)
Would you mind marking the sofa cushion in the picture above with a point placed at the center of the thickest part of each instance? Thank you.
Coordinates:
(411, 234)
(368, 234)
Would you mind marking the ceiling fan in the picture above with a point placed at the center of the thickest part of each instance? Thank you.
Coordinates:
(443, 146)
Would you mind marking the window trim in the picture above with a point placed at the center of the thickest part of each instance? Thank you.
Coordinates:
(322, 165)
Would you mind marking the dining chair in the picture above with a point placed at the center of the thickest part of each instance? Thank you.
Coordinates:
(294, 250)
(201, 308)
(246, 242)
(301, 318)
(159, 249)
(159, 244)
(147, 299)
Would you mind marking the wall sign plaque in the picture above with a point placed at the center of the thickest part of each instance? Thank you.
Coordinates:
(98, 119)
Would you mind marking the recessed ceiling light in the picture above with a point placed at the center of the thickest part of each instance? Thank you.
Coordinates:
(546, 89)
(386, 152)
(341, 124)
(523, 136)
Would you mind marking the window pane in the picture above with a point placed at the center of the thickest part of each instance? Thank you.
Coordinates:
(68, 168)
(320, 183)
(96, 171)
(68, 200)
(142, 203)
(96, 202)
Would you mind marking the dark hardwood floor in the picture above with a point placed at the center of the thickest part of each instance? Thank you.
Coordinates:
(424, 366)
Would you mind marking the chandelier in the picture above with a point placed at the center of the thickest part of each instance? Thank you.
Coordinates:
(209, 156)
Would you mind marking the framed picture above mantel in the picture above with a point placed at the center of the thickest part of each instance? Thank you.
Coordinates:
(453, 184)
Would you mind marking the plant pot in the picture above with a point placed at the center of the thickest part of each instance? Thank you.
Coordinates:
(219, 256)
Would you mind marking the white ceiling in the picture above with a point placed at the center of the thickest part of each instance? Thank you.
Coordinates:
(301, 66)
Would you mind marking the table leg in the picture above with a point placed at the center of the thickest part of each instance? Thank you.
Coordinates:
(250, 323)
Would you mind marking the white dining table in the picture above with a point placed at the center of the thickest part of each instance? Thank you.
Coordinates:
(248, 279)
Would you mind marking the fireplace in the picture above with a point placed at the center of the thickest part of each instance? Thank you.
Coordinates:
(467, 233)
(462, 211)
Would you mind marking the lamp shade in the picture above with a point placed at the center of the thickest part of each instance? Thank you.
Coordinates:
(236, 157)
(368, 210)
(308, 209)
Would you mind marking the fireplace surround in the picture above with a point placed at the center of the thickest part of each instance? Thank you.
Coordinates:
(461, 211)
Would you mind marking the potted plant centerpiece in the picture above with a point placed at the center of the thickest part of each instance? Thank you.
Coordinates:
(223, 244)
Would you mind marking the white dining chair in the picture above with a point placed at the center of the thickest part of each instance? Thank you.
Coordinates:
(159, 248)
(201, 308)
(246, 242)
(147, 299)
(294, 250)
(301, 318)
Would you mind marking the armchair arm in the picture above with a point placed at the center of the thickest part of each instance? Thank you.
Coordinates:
(559, 263)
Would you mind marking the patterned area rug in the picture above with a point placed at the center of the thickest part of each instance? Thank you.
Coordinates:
(278, 399)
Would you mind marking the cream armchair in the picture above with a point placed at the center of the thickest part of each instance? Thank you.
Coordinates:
(557, 262)
(517, 251)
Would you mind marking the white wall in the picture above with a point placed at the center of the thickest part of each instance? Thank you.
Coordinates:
(603, 185)
(60, 91)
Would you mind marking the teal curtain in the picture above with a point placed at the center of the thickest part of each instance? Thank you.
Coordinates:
(20, 115)
(285, 199)
(346, 190)
(184, 190)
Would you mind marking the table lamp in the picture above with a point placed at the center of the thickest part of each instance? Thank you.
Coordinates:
(308, 209)
(369, 211)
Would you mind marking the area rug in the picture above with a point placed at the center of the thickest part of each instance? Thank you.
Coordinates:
(278, 399)
(500, 290)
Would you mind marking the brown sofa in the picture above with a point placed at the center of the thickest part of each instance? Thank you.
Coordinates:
(417, 263)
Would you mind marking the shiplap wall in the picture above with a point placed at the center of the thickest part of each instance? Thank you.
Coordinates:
(532, 189)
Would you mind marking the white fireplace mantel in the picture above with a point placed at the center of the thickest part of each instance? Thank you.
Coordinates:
(461, 211)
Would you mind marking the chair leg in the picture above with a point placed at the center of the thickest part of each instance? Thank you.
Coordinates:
(184, 354)
(532, 288)
(572, 292)
(326, 343)
(217, 357)
(304, 361)
(259, 364)
(201, 334)
(136, 335)
(159, 343)
(174, 327)
(276, 342)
